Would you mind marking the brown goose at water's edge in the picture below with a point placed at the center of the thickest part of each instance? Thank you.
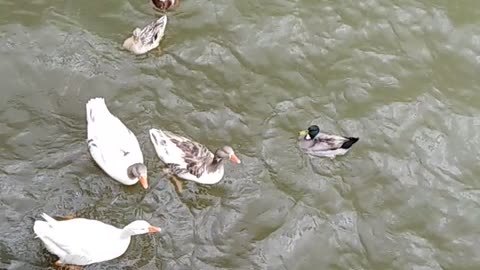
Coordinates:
(190, 160)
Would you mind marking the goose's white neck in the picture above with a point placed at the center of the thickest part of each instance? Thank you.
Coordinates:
(127, 233)
(137, 227)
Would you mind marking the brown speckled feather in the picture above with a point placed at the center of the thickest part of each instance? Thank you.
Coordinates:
(152, 31)
(195, 155)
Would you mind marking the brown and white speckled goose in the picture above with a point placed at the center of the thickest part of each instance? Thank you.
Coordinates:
(190, 160)
(148, 38)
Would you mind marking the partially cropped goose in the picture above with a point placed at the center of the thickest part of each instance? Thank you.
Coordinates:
(80, 241)
(190, 160)
(148, 38)
(316, 143)
(113, 146)
(164, 5)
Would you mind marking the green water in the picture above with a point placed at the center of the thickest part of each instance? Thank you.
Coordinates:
(402, 75)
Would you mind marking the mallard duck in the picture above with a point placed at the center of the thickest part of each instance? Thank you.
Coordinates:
(316, 143)
(113, 146)
(190, 160)
(165, 4)
(81, 241)
(148, 38)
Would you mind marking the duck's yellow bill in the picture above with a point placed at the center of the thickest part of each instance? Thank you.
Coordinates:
(302, 133)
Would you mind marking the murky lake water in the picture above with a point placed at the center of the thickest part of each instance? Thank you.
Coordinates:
(402, 75)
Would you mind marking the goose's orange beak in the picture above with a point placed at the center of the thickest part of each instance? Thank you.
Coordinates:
(143, 182)
(152, 229)
(234, 159)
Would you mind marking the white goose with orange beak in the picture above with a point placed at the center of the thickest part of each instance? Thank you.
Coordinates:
(113, 146)
(81, 241)
(190, 160)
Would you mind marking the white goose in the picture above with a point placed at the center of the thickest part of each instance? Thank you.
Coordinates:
(113, 146)
(190, 160)
(82, 241)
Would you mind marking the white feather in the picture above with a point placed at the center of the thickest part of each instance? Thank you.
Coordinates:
(208, 178)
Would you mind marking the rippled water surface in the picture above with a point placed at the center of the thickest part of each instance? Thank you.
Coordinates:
(402, 75)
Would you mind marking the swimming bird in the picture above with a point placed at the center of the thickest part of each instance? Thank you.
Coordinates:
(148, 38)
(113, 146)
(190, 160)
(164, 5)
(316, 143)
(80, 241)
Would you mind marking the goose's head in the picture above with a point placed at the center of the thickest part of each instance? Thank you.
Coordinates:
(310, 133)
(140, 227)
(138, 171)
(134, 43)
(164, 4)
(225, 153)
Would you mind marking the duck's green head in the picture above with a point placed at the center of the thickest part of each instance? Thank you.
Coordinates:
(310, 133)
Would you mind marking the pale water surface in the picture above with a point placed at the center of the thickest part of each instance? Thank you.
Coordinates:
(402, 75)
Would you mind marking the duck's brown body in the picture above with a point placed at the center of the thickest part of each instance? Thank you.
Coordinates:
(164, 5)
